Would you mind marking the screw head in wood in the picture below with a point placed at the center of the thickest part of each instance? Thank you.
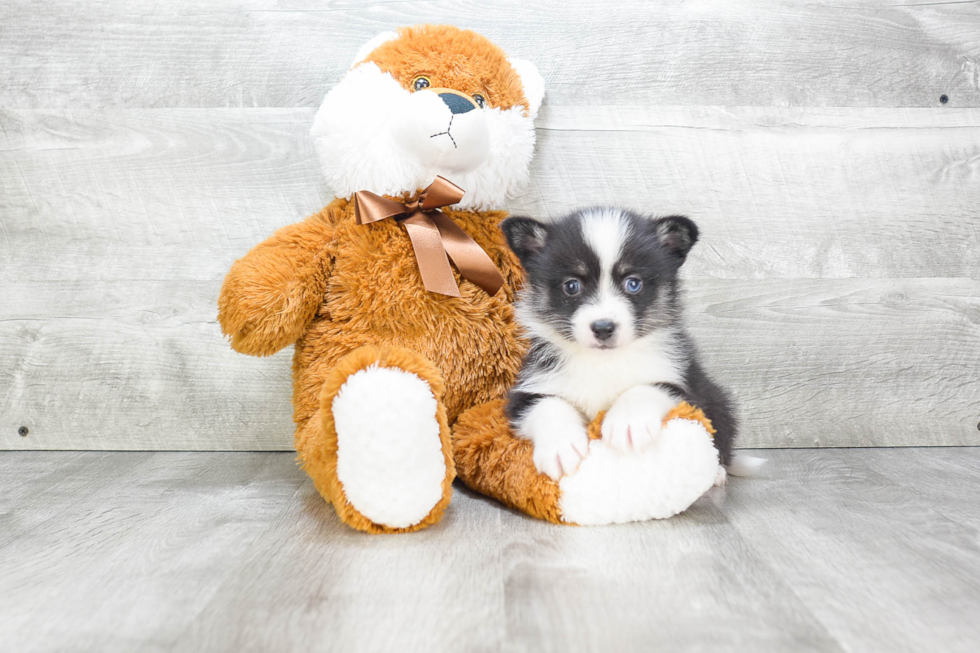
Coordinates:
(944, 98)
(23, 431)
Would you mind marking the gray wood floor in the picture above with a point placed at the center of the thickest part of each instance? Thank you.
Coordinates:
(832, 550)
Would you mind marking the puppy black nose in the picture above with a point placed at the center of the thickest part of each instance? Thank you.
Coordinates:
(457, 103)
(603, 329)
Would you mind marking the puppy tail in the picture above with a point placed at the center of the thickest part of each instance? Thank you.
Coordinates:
(746, 465)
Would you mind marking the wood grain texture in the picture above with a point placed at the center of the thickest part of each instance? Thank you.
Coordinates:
(441, 589)
(855, 362)
(829, 550)
(158, 194)
(865, 511)
(690, 583)
(835, 290)
(73, 554)
(841, 362)
(267, 53)
(779, 193)
(940, 478)
(787, 193)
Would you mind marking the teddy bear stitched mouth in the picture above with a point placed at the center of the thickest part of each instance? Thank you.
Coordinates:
(446, 133)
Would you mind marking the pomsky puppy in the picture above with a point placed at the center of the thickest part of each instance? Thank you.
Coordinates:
(603, 314)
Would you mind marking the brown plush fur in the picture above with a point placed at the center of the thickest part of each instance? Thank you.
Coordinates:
(375, 297)
(493, 461)
(333, 287)
(490, 460)
(452, 58)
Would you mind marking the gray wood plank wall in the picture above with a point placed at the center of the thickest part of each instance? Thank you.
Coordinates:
(837, 289)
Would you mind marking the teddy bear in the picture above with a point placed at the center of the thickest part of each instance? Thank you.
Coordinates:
(398, 294)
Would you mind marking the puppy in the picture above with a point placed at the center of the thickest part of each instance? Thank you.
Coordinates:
(602, 311)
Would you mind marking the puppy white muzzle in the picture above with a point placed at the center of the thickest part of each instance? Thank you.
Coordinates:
(607, 324)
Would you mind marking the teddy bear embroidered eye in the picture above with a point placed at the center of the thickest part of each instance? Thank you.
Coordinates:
(398, 294)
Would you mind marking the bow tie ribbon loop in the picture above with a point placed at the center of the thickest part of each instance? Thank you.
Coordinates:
(434, 236)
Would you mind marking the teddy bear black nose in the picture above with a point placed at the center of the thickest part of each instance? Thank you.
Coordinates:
(603, 329)
(457, 103)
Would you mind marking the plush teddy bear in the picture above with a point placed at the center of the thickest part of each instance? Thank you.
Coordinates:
(422, 141)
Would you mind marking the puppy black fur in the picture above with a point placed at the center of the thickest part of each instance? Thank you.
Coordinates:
(568, 254)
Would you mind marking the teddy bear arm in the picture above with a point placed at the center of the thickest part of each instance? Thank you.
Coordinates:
(271, 294)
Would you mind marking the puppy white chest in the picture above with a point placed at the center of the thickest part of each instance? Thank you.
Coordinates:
(592, 380)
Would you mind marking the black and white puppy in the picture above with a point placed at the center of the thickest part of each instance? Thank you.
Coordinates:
(602, 311)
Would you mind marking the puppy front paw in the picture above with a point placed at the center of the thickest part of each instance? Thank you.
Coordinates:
(560, 452)
(630, 430)
(559, 436)
(635, 420)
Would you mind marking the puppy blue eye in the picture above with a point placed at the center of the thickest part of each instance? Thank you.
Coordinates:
(420, 83)
(572, 287)
(480, 100)
(633, 285)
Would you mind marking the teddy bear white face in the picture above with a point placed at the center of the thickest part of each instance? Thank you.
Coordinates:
(427, 101)
(442, 128)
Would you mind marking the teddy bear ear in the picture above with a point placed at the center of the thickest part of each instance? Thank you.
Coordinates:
(533, 84)
(372, 45)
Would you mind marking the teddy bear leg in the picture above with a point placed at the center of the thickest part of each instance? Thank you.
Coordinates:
(379, 448)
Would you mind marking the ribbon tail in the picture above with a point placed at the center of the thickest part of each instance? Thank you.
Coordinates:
(437, 275)
(474, 264)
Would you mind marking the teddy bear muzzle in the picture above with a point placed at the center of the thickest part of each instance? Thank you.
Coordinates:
(444, 128)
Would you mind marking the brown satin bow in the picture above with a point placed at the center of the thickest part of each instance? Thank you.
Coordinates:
(434, 235)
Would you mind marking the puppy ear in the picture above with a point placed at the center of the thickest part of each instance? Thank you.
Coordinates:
(372, 45)
(677, 234)
(533, 84)
(525, 236)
